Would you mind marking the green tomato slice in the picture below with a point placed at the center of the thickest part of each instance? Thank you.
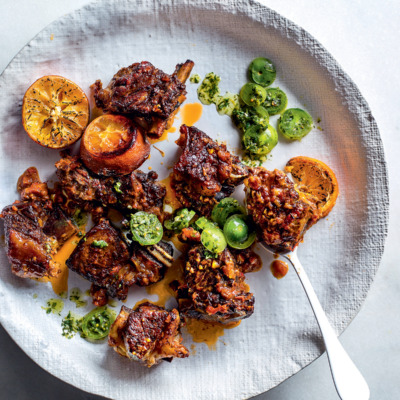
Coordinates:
(237, 232)
(146, 228)
(201, 223)
(295, 123)
(258, 140)
(262, 112)
(181, 220)
(253, 95)
(213, 238)
(97, 323)
(245, 117)
(224, 209)
(262, 71)
(276, 101)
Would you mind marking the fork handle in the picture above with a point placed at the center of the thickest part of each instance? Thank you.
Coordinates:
(348, 380)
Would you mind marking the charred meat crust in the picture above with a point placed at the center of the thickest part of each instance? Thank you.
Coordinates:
(279, 213)
(35, 229)
(214, 289)
(148, 334)
(146, 260)
(106, 265)
(205, 172)
(247, 260)
(150, 96)
(136, 191)
(103, 258)
(29, 250)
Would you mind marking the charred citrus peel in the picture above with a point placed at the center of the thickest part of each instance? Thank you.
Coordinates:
(55, 112)
(315, 181)
(113, 144)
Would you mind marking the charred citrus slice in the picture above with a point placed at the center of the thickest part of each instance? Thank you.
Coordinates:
(55, 112)
(113, 144)
(316, 181)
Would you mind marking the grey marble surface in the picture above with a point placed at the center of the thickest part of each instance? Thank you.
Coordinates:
(364, 38)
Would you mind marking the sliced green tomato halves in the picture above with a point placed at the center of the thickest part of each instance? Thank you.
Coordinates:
(276, 101)
(253, 95)
(96, 324)
(295, 123)
(224, 209)
(213, 238)
(262, 71)
(146, 228)
(237, 232)
(258, 140)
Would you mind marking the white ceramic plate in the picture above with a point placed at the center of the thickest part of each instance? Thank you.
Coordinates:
(341, 253)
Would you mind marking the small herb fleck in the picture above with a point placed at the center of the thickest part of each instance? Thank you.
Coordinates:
(100, 243)
(71, 325)
(195, 78)
(80, 217)
(54, 306)
(76, 296)
(117, 187)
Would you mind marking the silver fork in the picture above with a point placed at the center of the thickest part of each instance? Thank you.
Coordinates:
(349, 382)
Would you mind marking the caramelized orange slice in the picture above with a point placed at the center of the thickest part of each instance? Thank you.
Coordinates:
(55, 112)
(316, 181)
(113, 145)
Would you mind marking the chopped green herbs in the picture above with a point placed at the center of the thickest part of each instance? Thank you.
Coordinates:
(80, 217)
(208, 91)
(70, 325)
(100, 243)
(195, 78)
(181, 220)
(77, 297)
(54, 306)
(117, 187)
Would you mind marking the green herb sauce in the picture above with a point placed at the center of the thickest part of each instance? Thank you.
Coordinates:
(54, 306)
(71, 324)
(195, 78)
(100, 243)
(77, 297)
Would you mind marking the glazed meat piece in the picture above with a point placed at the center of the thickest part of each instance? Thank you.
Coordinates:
(148, 334)
(137, 191)
(150, 262)
(205, 172)
(247, 260)
(279, 213)
(76, 182)
(35, 229)
(145, 92)
(30, 187)
(29, 250)
(215, 288)
(102, 257)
